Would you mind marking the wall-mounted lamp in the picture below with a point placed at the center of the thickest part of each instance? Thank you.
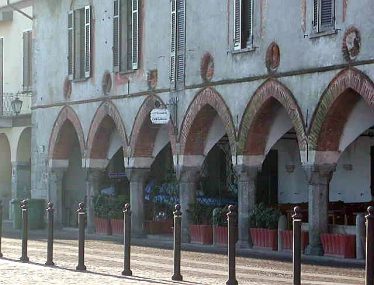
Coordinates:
(16, 105)
(290, 168)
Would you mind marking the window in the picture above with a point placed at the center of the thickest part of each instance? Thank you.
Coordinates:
(243, 24)
(27, 61)
(178, 40)
(125, 35)
(323, 15)
(79, 43)
(1, 74)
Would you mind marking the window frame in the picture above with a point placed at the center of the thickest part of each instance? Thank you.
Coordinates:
(318, 29)
(238, 26)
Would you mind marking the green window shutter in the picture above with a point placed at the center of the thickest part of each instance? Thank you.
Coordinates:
(70, 45)
(116, 35)
(327, 14)
(181, 40)
(315, 22)
(135, 34)
(173, 36)
(250, 22)
(87, 41)
(237, 24)
(27, 60)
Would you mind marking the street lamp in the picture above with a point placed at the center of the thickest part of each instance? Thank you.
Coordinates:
(16, 105)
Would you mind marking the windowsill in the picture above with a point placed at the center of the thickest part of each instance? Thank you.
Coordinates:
(78, 80)
(243, 50)
(331, 32)
(127, 72)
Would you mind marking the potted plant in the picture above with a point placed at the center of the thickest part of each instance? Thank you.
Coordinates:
(116, 212)
(263, 226)
(201, 230)
(101, 209)
(220, 226)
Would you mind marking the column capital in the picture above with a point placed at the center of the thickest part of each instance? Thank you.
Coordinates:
(94, 174)
(137, 174)
(246, 172)
(189, 174)
(319, 174)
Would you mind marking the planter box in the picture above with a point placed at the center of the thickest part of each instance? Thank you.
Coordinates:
(264, 238)
(287, 240)
(117, 226)
(220, 235)
(339, 245)
(159, 227)
(202, 234)
(103, 226)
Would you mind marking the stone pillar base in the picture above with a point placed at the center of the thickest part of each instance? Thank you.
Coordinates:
(316, 250)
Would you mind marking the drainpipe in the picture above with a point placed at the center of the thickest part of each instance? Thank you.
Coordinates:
(18, 10)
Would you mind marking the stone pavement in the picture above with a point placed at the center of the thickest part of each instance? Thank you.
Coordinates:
(104, 261)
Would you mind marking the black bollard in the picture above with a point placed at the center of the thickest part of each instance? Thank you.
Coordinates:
(81, 237)
(1, 225)
(231, 217)
(127, 240)
(50, 214)
(296, 246)
(369, 268)
(177, 243)
(25, 230)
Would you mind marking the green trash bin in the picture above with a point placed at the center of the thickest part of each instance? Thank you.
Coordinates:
(36, 213)
(16, 209)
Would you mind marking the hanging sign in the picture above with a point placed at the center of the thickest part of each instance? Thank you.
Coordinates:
(160, 116)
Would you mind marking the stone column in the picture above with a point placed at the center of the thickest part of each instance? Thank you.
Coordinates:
(319, 177)
(21, 180)
(55, 193)
(187, 194)
(92, 188)
(246, 201)
(137, 178)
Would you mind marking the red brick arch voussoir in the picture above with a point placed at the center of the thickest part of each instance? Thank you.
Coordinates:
(95, 147)
(256, 117)
(66, 114)
(207, 97)
(320, 138)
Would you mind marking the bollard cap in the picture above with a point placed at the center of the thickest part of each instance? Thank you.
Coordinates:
(231, 211)
(177, 211)
(24, 204)
(127, 208)
(297, 213)
(370, 214)
(50, 206)
(81, 208)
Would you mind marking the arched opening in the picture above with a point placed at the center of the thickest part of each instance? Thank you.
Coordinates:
(5, 174)
(22, 177)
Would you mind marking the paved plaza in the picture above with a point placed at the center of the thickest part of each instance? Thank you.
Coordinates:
(104, 261)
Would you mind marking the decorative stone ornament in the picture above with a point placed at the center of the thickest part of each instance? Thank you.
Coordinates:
(207, 67)
(351, 44)
(272, 57)
(106, 83)
(67, 88)
(152, 79)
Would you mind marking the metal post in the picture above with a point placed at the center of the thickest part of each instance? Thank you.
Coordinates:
(1, 225)
(127, 240)
(296, 246)
(25, 229)
(50, 214)
(369, 269)
(231, 217)
(81, 237)
(177, 243)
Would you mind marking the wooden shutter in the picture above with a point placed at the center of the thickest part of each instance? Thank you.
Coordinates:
(27, 40)
(315, 15)
(173, 33)
(135, 34)
(87, 41)
(327, 14)
(250, 22)
(1, 74)
(70, 45)
(30, 59)
(237, 24)
(116, 35)
(181, 39)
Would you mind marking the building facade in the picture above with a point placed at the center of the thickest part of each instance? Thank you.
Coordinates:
(15, 89)
(288, 85)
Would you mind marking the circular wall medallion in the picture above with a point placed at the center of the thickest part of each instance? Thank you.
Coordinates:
(152, 79)
(207, 67)
(272, 57)
(351, 44)
(106, 83)
(67, 88)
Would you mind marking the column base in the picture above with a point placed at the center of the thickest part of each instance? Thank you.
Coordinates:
(138, 235)
(243, 244)
(91, 229)
(316, 250)
(186, 239)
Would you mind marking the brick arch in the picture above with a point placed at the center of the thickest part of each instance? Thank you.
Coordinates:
(144, 133)
(106, 119)
(198, 119)
(259, 117)
(66, 125)
(335, 106)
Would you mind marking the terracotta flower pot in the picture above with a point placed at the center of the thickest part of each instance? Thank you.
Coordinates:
(159, 227)
(117, 226)
(287, 239)
(202, 234)
(103, 226)
(264, 238)
(339, 245)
